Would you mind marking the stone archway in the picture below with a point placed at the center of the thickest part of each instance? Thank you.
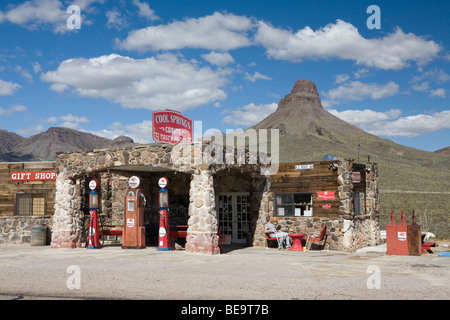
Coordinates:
(74, 168)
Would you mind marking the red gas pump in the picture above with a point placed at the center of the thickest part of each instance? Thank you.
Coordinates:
(164, 232)
(133, 230)
(93, 237)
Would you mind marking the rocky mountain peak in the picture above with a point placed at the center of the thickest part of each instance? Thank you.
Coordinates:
(304, 93)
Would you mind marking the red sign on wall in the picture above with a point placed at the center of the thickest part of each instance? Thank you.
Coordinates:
(325, 195)
(326, 206)
(171, 126)
(33, 176)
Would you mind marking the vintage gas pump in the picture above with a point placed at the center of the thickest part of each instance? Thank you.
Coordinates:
(93, 237)
(164, 232)
(133, 236)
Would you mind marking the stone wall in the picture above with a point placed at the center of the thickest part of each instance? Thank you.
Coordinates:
(17, 229)
(76, 169)
(345, 232)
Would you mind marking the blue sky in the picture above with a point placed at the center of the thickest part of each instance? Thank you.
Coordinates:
(226, 63)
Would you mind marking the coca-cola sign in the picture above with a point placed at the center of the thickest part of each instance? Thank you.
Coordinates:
(171, 127)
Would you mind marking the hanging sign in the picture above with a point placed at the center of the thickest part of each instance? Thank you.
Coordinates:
(171, 127)
(33, 176)
(325, 195)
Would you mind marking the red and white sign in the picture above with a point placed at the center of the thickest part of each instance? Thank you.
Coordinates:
(162, 183)
(33, 176)
(134, 182)
(401, 236)
(171, 126)
(93, 184)
(326, 206)
(356, 177)
(325, 195)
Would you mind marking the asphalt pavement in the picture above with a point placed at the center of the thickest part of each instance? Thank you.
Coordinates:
(251, 273)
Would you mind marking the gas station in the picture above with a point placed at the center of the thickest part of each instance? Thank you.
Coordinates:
(199, 195)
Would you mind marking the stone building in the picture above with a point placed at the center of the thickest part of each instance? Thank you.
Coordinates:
(236, 194)
(27, 197)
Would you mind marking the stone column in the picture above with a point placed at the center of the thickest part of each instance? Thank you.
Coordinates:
(66, 228)
(202, 232)
(266, 209)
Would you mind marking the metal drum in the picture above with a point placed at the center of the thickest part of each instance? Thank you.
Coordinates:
(38, 235)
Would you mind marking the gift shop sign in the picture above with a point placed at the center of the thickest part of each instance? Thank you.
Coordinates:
(33, 176)
(171, 126)
(325, 195)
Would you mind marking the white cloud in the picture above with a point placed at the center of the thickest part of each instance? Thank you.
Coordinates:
(220, 59)
(11, 110)
(441, 92)
(421, 87)
(341, 78)
(356, 90)
(139, 132)
(31, 130)
(8, 88)
(35, 14)
(72, 118)
(115, 20)
(165, 81)
(256, 76)
(214, 32)
(342, 40)
(145, 10)
(250, 114)
(362, 118)
(390, 123)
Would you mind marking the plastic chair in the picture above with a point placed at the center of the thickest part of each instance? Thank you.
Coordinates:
(317, 238)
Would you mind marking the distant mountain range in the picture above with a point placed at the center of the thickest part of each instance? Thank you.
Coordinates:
(43, 146)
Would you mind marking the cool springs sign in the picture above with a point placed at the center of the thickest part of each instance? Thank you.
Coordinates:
(171, 126)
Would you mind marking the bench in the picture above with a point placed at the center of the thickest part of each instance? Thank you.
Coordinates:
(111, 232)
(426, 246)
(177, 231)
(108, 232)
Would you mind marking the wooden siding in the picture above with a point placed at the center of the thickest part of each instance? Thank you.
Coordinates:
(9, 189)
(320, 178)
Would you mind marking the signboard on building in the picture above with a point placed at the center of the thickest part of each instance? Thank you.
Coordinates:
(356, 177)
(33, 176)
(325, 195)
(171, 127)
(304, 166)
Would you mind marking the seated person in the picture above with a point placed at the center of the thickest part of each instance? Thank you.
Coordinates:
(273, 233)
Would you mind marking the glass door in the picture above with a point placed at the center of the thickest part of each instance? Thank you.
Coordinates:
(233, 213)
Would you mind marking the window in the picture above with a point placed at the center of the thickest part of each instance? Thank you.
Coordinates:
(293, 204)
(30, 204)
